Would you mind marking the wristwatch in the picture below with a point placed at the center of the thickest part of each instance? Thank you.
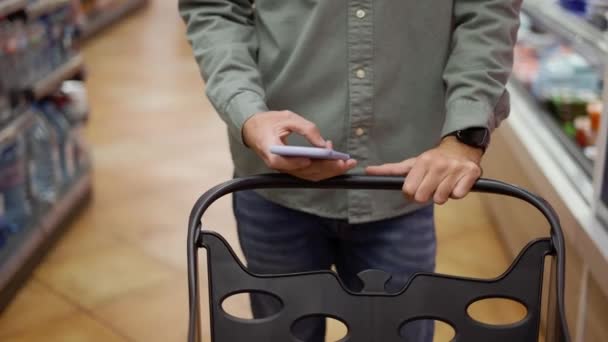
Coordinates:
(478, 137)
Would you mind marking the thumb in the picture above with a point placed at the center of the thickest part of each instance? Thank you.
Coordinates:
(391, 169)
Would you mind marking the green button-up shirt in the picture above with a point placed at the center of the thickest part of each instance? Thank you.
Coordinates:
(383, 79)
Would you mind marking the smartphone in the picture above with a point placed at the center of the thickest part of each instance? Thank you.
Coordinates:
(308, 152)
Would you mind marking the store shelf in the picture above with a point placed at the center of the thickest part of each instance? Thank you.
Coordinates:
(19, 124)
(51, 82)
(8, 7)
(587, 39)
(42, 7)
(109, 17)
(33, 243)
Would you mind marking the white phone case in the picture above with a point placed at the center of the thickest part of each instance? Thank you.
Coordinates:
(308, 152)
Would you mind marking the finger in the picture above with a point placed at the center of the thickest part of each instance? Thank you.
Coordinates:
(445, 189)
(391, 169)
(438, 169)
(313, 177)
(287, 164)
(310, 173)
(331, 168)
(429, 184)
(463, 187)
(324, 169)
(351, 164)
(306, 128)
(414, 179)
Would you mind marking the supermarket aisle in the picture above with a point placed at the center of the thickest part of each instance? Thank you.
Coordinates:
(119, 272)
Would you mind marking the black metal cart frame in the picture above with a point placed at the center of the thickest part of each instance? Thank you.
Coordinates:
(373, 315)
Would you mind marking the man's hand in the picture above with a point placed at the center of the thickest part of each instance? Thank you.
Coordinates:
(263, 130)
(449, 170)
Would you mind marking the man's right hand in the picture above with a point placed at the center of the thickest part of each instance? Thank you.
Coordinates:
(265, 129)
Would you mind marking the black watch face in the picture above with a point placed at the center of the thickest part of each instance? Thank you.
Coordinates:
(478, 137)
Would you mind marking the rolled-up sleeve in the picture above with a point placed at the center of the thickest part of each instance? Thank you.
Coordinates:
(224, 43)
(480, 63)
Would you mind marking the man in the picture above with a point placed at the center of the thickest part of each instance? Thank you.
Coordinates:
(406, 87)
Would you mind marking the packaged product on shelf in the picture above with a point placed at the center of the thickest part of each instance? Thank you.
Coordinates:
(76, 103)
(65, 139)
(31, 49)
(597, 11)
(6, 112)
(582, 124)
(13, 44)
(72, 99)
(565, 70)
(60, 27)
(567, 104)
(37, 61)
(594, 111)
(14, 202)
(567, 83)
(585, 128)
(531, 46)
(575, 6)
(6, 229)
(526, 64)
(44, 166)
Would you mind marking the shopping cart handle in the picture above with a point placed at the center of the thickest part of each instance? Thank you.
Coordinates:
(282, 181)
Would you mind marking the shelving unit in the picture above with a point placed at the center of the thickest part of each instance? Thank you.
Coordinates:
(106, 19)
(44, 87)
(17, 125)
(30, 246)
(531, 149)
(25, 247)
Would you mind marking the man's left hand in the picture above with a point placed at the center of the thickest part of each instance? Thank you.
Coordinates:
(449, 170)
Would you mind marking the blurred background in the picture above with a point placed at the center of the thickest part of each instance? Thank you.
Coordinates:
(107, 139)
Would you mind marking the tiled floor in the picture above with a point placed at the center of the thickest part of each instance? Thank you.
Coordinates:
(119, 272)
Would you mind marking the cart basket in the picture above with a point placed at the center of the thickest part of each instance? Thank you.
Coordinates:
(373, 315)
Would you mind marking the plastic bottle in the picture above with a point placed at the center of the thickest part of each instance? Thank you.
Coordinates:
(44, 168)
(65, 140)
(14, 202)
(6, 112)
(5, 231)
(38, 62)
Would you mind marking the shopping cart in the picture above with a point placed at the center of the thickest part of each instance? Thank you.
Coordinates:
(373, 315)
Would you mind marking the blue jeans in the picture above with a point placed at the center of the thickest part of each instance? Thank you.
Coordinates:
(278, 240)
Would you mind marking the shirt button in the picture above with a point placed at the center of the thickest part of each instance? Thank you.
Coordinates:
(360, 73)
(360, 14)
(359, 131)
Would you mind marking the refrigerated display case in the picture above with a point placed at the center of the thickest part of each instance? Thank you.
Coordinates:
(552, 144)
